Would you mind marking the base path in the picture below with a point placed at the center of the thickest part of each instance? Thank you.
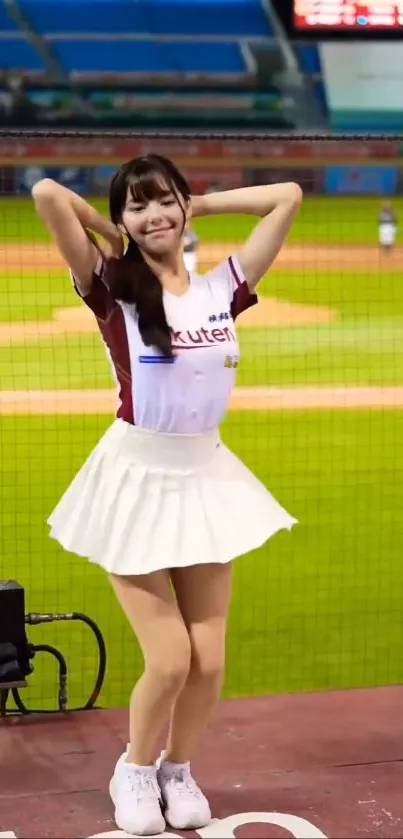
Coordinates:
(313, 257)
(243, 399)
(28, 257)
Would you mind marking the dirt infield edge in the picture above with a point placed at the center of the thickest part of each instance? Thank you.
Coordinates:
(75, 402)
(33, 256)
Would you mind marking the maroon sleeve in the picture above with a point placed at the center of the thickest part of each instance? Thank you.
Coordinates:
(99, 299)
(242, 297)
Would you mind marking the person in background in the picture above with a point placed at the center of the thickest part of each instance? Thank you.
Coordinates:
(387, 226)
(190, 248)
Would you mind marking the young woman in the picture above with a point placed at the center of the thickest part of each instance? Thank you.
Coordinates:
(161, 504)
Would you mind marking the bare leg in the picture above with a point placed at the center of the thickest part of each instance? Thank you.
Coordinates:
(150, 606)
(203, 594)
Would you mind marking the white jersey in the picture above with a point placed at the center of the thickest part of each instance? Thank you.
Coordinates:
(190, 393)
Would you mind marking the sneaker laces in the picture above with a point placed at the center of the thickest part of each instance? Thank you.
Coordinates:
(183, 782)
(145, 786)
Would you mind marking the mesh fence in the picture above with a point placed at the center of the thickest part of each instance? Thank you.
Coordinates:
(317, 413)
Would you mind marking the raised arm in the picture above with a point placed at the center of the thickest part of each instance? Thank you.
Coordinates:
(71, 220)
(276, 204)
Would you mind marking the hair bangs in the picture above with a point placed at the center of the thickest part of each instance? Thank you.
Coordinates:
(147, 178)
(150, 185)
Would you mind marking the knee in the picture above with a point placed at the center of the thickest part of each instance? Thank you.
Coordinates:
(207, 661)
(170, 668)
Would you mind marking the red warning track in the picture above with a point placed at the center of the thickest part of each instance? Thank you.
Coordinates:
(309, 766)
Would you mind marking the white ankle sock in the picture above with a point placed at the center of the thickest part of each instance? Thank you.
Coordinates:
(147, 770)
(168, 767)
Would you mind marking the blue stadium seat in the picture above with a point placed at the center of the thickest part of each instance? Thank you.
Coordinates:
(6, 23)
(154, 17)
(311, 66)
(309, 55)
(149, 57)
(17, 53)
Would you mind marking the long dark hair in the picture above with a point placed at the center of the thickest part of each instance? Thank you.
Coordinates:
(131, 279)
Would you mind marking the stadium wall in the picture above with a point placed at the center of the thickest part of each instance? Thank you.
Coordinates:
(364, 85)
(87, 165)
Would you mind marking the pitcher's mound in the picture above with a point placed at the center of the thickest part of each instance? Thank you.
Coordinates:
(280, 313)
(78, 320)
(268, 312)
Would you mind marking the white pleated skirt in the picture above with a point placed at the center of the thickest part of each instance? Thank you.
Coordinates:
(144, 500)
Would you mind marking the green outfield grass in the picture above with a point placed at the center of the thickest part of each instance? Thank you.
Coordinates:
(350, 354)
(317, 608)
(34, 297)
(322, 220)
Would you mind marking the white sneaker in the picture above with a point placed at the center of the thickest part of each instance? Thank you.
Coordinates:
(184, 805)
(136, 796)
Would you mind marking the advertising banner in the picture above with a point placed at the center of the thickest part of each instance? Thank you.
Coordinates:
(200, 179)
(361, 180)
(73, 177)
(311, 179)
(99, 178)
(66, 151)
(214, 178)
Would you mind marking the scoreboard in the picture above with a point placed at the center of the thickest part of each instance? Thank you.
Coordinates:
(346, 17)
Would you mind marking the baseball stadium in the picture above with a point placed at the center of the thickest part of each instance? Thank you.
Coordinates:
(306, 740)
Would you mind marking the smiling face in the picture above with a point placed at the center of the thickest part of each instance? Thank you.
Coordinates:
(150, 201)
(155, 219)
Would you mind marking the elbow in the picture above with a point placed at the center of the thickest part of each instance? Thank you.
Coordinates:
(285, 196)
(46, 196)
(294, 196)
(44, 189)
